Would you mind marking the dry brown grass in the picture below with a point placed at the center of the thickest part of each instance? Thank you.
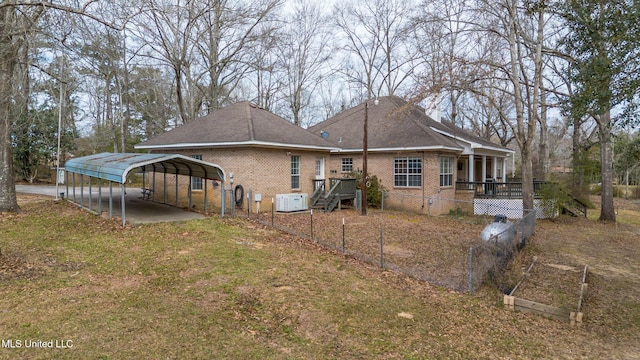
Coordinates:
(230, 288)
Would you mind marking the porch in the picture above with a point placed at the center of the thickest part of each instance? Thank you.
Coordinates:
(491, 189)
(498, 198)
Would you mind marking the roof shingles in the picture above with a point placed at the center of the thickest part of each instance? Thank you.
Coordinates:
(392, 124)
(241, 123)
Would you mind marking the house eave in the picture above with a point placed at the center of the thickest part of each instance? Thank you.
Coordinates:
(474, 145)
(219, 145)
(505, 151)
(399, 149)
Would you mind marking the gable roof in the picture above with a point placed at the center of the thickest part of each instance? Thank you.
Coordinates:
(240, 124)
(475, 142)
(393, 124)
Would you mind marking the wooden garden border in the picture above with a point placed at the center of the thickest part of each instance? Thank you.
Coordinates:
(531, 307)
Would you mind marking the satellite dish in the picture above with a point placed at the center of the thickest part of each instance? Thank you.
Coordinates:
(324, 134)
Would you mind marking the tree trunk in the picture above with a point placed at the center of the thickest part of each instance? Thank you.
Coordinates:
(527, 180)
(8, 60)
(578, 170)
(607, 211)
(540, 171)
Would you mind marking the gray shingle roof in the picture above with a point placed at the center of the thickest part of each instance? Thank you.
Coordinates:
(460, 133)
(239, 124)
(392, 124)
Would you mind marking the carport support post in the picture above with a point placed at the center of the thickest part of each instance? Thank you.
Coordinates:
(176, 189)
(153, 187)
(222, 198)
(73, 180)
(81, 190)
(90, 198)
(190, 193)
(205, 196)
(122, 204)
(100, 196)
(66, 183)
(110, 200)
(164, 185)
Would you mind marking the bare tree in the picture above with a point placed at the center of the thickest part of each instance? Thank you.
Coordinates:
(169, 30)
(304, 50)
(228, 33)
(375, 44)
(18, 22)
(208, 45)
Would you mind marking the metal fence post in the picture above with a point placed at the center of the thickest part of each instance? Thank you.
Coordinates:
(343, 245)
(470, 270)
(272, 213)
(311, 224)
(381, 250)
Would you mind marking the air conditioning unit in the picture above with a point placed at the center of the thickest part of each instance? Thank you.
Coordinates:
(292, 202)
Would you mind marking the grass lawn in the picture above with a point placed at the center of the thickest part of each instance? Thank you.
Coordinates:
(230, 288)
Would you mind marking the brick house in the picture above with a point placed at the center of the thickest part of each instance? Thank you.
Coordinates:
(418, 159)
(409, 152)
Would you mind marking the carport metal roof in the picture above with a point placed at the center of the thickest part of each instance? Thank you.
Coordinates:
(117, 166)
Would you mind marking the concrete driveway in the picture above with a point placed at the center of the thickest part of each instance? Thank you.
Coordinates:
(137, 210)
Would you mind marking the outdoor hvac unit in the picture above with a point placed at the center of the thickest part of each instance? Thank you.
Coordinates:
(291, 202)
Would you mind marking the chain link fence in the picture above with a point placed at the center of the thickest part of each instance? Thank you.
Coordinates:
(445, 251)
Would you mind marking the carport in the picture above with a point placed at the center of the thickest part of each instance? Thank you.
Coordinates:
(116, 167)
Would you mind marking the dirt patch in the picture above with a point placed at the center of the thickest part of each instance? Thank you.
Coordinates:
(433, 249)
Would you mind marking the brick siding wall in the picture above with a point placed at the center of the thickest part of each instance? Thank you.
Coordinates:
(413, 199)
(263, 171)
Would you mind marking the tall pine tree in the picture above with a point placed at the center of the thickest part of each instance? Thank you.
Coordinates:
(603, 42)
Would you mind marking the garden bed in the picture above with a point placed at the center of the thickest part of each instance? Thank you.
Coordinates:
(551, 290)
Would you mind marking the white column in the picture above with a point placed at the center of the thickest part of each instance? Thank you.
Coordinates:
(504, 170)
(484, 168)
(494, 172)
(471, 174)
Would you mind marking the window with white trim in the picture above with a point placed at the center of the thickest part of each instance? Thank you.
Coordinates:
(295, 172)
(446, 171)
(347, 165)
(407, 172)
(196, 182)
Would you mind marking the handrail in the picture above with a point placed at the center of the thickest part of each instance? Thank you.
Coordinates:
(318, 192)
(582, 207)
(491, 189)
(341, 188)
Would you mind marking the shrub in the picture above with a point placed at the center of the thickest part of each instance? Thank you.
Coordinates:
(374, 189)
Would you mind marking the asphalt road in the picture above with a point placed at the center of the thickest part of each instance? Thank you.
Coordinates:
(137, 210)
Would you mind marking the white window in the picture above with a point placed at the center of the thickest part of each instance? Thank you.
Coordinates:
(196, 182)
(347, 165)
(446, 171)
(407, 172)
(295, 172)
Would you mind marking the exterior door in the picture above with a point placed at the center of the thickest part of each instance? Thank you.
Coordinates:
(319, 172)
